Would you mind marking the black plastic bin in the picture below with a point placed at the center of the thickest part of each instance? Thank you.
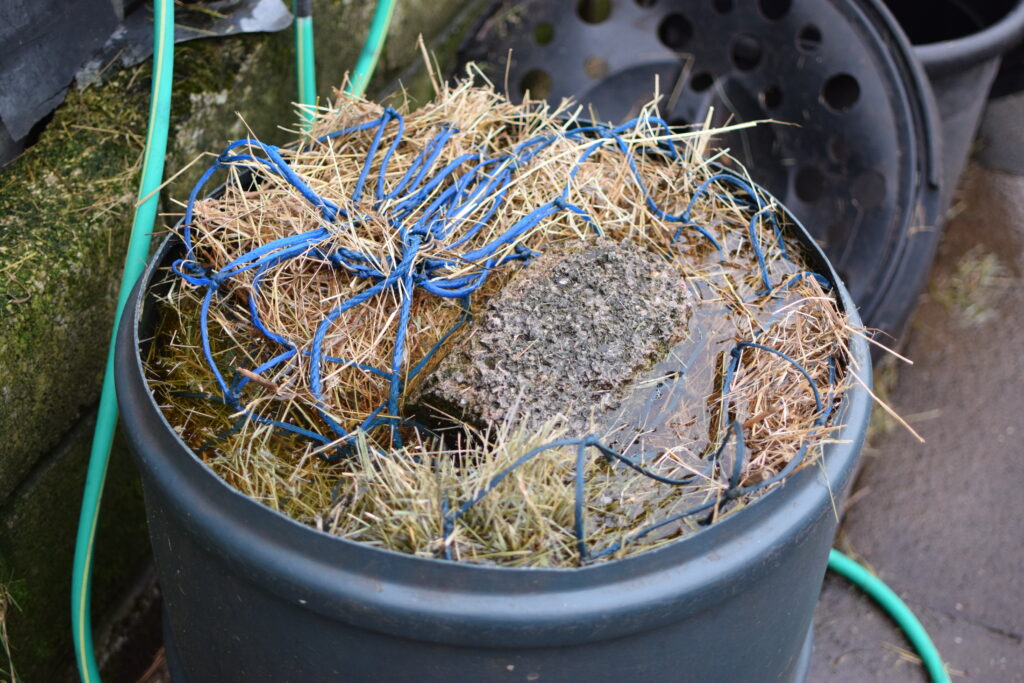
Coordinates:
(960, 43)
(861, 167)
(251, 595)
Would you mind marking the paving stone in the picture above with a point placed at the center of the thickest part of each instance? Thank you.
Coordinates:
(855, 642)
(565, 336)
(1001, 138)
(941, 521)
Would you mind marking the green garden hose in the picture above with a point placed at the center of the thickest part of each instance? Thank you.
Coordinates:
(305, 61)
(135, 263)
(896, 608)
(138, 251)
(305, 58)
(367, 62)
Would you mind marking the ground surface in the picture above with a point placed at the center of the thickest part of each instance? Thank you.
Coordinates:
(941, 521)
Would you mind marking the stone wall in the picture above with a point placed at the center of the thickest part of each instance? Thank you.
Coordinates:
(65, 211)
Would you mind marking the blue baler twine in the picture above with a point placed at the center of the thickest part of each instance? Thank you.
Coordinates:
(454, 193)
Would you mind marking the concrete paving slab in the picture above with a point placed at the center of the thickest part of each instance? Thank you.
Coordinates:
(856, 643)
(941, 521)
(1001, 138)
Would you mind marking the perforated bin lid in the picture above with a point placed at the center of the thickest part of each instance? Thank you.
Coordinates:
(858, 168)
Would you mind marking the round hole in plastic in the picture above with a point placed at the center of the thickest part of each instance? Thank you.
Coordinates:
(701, 81)
(868, 189)
(645, 3)
(538, 82)
(594, 11)
(809, 38)
(774, 9)
(840, 92)
(595, 67)
(809, 183)
(883, 125)
(675, 31)
(771, 97)
(544, 33)
(746, 52)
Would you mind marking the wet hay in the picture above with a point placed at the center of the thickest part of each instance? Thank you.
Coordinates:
(685, 451)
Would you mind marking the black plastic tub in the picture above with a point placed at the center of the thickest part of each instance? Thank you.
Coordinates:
(862, 166)
(960, 43)
(251, 595)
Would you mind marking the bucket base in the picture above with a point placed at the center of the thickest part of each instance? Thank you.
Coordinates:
(803, 664)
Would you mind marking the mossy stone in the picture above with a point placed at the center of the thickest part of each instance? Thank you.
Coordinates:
(37, 537)
(66, 207)
(66, 204)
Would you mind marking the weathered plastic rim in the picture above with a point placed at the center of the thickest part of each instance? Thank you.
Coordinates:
(962, 53)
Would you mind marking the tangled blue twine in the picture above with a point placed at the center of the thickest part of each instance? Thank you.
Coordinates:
(446, 198)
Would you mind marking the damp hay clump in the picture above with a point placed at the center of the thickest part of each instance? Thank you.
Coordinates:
(312, 296)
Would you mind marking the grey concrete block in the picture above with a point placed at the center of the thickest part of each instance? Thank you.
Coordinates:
(565, 336)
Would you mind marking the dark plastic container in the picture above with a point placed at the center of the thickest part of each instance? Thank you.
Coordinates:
(861, 168)
(251, 595)
(960, 43)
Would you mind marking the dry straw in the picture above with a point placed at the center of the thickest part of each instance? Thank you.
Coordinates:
(395, 498)
(7, 604)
